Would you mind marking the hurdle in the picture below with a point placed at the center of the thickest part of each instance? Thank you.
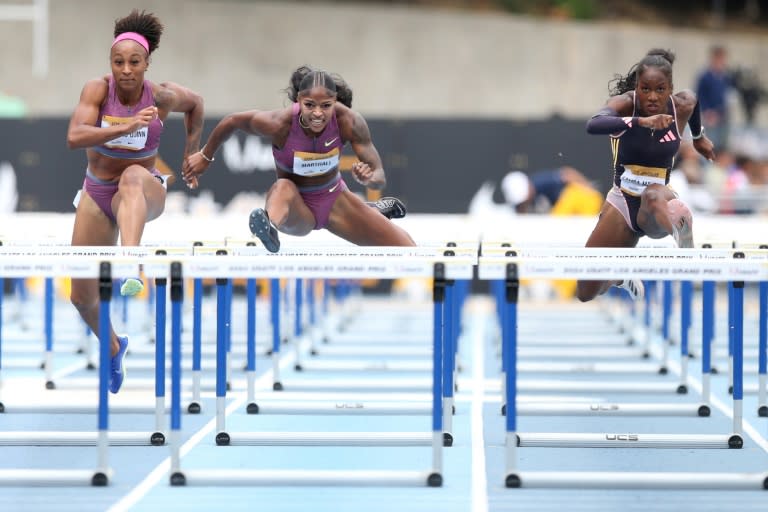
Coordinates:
(592, 358)
(681, 264)
(382, 263)
(14, 264)
(126, 260)
(155, 437)
(447, 396)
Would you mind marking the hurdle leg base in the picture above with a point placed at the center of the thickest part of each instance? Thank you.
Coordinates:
(99, 480)
(663, 370)
(447, 439)
(513, 481)
(704, 411)
(735, 441)
(90, 366)
(762, 411)
(298, 367)
(252, 408)
(178, 479)
(157, 439)
(50, 385)
(504, 410)
(2, 407)
(223, 439)
(277, 386)
(194, 408)
(435, 480)
(682, 389)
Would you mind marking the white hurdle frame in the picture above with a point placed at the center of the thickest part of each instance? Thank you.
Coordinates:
(123, 257)
(355, 263)
(617, 264)
(91, 263)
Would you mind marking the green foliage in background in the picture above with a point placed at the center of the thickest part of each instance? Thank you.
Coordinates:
(574, 9)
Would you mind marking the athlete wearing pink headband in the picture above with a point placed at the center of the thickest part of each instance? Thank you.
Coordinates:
(118, 122)
(133, 36)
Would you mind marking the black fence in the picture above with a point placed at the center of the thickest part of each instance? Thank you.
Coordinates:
(434, 165)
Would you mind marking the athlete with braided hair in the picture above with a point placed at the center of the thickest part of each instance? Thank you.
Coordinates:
(118, 121)
(307, 138)
(645, 121)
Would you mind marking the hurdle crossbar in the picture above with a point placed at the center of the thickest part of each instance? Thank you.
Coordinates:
(637, 480)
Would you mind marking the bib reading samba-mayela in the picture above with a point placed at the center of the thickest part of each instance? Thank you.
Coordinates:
(643, 157)
(309, 156)
(141, 143)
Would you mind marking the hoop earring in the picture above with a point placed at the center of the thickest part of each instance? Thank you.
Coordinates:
(301, 122)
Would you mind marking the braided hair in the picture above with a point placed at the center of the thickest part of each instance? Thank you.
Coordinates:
(655, 58)
(144, 23)
(305, 78)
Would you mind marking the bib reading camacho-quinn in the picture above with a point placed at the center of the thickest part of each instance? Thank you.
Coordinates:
(309, 156)
(141, 143)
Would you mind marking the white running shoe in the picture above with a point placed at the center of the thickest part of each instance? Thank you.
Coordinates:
(682, 220)
(634, 287)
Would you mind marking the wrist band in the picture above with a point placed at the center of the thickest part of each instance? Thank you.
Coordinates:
(700, 135)
(212, 159)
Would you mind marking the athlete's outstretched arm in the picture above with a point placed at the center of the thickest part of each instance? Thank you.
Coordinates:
(254, 122)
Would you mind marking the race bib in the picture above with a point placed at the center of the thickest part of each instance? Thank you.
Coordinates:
(133, 141)
(635, 178)
(314, 164)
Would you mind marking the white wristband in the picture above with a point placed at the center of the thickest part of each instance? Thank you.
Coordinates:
(211, 159)
(694, 137)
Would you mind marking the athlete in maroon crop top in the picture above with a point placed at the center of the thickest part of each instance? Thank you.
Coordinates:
(645, 121)
(307, 138)
(118, 121)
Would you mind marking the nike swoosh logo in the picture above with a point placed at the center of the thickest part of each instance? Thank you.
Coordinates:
(334, 187)
(329, 142)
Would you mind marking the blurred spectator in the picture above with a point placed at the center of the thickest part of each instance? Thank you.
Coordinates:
(751, 92)
(562, 191)
(687, 178)
(746, 181)
(712, 87)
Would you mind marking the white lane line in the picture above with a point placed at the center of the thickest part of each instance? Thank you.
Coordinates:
(479, 478)
(161, 470)
(722, 407)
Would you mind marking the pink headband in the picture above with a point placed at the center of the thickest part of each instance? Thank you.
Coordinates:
(133, 36)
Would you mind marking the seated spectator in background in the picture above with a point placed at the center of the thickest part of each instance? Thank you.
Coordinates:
(688, 179)
(743, 191)
(562, 191)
